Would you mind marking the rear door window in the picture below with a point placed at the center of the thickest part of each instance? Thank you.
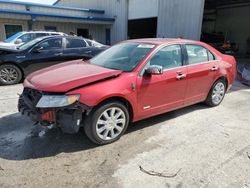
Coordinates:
(75, 43)
(41, 35)
(198, 54)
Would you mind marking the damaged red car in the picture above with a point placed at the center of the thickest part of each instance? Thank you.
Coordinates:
(131, 81)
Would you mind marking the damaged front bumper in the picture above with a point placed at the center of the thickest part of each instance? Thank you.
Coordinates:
(68, 118)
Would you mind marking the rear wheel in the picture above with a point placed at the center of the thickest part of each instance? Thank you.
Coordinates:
(10, 74)
(107, 123)
(217, 93)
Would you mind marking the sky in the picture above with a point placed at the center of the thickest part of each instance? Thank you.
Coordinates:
(37, 1)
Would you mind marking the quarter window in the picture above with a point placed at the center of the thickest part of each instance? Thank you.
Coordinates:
(211, 57)
(168, 57)
(198, 54)
(75, 43)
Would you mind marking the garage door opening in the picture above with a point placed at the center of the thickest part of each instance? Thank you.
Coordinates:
(226, 26)
(83, 33)
(142, 28)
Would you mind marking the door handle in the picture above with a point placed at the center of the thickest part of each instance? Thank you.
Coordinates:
(181, 76)
(58, 54)
(87, 52)
(214, 68)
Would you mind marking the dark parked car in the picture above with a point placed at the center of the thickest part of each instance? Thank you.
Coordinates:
(16, 64)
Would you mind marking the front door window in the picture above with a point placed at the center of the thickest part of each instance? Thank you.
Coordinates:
(168, 57)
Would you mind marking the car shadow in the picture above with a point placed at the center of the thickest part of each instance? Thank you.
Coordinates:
(21, 140)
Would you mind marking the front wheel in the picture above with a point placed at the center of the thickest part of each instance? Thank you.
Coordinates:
(107, 123)
(10, 74)
(217, 93)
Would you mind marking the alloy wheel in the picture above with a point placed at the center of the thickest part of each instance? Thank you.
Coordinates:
(8, 75)
(111, 123)
(218, 93)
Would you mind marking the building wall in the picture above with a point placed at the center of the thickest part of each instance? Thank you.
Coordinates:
(97, 31)
(113, 8)
(139, 9)
(235, 23)
(96, 27)
(180, 18)
(13, 22)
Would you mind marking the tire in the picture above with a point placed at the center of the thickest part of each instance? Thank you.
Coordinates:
(101, 130)
(10, 74)
(216, 93)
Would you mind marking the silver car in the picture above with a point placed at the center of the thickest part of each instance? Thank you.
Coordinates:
(23, 37)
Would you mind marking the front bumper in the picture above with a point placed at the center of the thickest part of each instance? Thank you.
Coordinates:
(26, 110)
(68, 118)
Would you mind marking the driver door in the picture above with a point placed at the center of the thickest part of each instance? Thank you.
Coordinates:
(161, 93)
(47, 53)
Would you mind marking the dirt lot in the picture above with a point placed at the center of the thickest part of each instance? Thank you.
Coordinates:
(210, 147)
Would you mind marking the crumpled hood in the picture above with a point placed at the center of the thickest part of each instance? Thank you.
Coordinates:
(67, 76)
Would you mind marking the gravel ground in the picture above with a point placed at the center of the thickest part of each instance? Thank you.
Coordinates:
(208, 147)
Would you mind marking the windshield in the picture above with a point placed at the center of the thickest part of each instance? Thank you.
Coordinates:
(13, 37)
(29, 44)
(124, 56)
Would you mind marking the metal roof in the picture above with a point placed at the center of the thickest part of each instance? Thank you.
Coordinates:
(46, 14)
(52, 6)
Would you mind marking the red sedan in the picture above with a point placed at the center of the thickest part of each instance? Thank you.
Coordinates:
(132, 80)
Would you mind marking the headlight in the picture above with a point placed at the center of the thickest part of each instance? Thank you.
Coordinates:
(50, 101)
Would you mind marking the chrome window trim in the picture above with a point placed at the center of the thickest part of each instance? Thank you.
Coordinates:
(183, 66)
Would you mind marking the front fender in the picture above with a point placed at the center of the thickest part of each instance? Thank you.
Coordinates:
(92, 95)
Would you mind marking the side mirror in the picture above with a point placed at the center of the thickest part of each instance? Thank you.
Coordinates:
(37, 49)
(18, 41)
(154, 70)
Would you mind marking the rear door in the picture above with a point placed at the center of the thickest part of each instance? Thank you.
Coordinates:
(76, 48)
(50, 53)
(161, 93)
(201, 70)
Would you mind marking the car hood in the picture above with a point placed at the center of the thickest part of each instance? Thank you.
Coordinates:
(6, 50)
(7, 45)
(67, 76)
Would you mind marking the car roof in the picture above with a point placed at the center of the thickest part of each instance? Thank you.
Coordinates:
(42, 32)
(160, 41)
(60, 36)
